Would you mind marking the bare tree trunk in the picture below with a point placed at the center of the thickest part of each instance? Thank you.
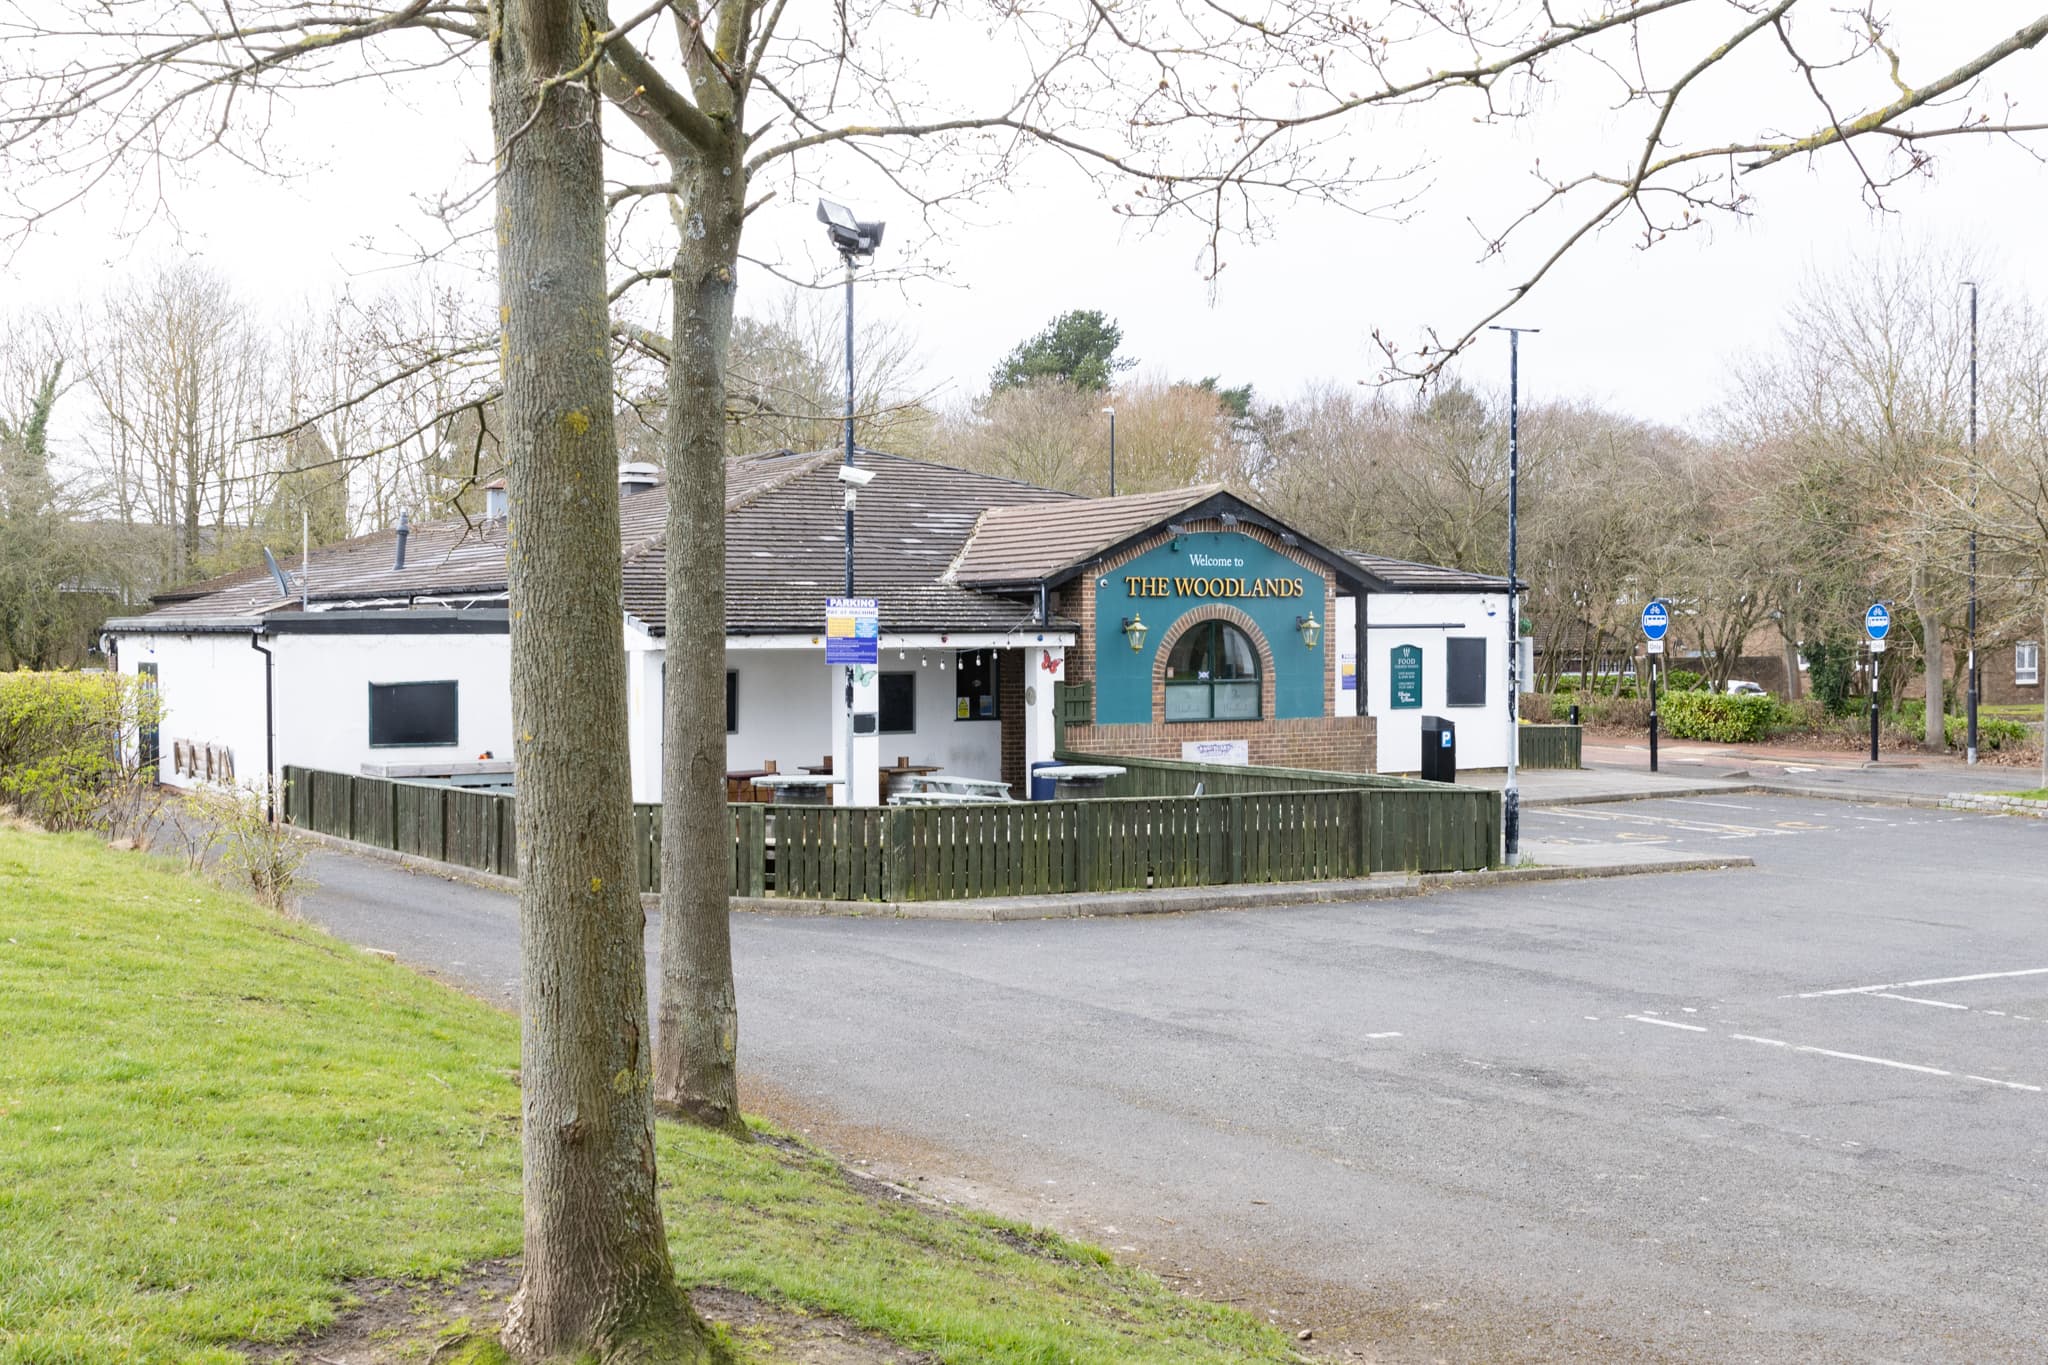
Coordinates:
(698, 1039)
(1789, 648)
(596, 1278)
(1934, 733)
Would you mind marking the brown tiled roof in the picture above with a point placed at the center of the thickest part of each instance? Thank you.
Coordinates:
(784, 555)
(1016, 545)
(785, 547)
(1405, 575)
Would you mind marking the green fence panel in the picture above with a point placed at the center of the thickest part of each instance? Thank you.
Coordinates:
(1550, 746)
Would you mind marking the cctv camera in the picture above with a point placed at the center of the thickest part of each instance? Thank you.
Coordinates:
(859, 478)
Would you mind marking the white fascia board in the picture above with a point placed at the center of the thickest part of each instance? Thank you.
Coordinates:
(1039, 639)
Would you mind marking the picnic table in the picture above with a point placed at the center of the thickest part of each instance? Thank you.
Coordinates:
(946, 799)
(959, 786)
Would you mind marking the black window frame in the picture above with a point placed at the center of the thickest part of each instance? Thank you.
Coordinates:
(1454, 647)
(907, 705)
(732, 697)
(995, 685)
(454, 685)
(1214, 627)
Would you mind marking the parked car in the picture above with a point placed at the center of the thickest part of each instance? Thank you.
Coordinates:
(1741, 687)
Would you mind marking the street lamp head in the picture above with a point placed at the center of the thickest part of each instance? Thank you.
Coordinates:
(849, 236)
(1110, 411)
(856, 476)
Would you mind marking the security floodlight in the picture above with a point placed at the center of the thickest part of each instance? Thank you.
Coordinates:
(849, 235)
(855, 475)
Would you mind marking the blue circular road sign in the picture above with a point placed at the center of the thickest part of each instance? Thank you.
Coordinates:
(1656, 620)
(1877, 622)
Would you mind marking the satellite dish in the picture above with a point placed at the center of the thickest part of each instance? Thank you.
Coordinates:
(284, 582)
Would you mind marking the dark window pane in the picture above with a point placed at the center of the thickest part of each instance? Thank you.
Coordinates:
(898, 709)
(1465, 671)
(976, 674)
(732, 697)
(1238, 658)
(412, 713)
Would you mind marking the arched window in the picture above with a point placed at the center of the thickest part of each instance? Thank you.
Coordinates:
(1212, 674)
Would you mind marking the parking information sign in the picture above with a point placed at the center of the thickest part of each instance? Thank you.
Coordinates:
(1877, 622)
(853, 630)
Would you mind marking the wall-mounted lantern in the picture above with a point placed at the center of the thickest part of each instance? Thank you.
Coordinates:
(1310, 628)
(1134, 631)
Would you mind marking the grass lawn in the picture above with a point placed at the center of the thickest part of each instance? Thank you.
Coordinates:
(210, 1117)
(2036, 794)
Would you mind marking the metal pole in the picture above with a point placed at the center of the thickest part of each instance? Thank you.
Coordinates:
(1511, 808)
(1112, 452)
(1876, 658)
(846, 767)
(1651, 660)
(1974, 688)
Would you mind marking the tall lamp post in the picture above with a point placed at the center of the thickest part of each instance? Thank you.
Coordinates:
(1112, 450)
(1511, 811)
(855, 242)
(1975, 686)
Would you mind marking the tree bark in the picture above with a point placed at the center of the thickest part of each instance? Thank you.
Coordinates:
(1934, 733)
(596, 1278)
(698, 1038)
(1789, 648)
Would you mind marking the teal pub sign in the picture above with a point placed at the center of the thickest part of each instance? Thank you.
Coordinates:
(1404, 678)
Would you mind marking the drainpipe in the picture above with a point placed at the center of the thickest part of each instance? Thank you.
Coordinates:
(269, 728)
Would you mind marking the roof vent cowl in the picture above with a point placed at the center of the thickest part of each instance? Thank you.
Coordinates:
(637, 476)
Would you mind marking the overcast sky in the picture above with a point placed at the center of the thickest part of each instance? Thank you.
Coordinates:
(1650, 332)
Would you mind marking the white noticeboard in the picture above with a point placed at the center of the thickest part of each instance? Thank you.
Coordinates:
(1235, 752)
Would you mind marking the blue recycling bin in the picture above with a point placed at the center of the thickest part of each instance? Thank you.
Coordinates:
(1043, 788)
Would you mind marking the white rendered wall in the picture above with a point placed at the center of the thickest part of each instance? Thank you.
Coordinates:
(1482, 730)
(323, 696)
(212, 692)
(210, 688)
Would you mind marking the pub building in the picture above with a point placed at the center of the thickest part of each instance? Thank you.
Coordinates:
(1013, 620)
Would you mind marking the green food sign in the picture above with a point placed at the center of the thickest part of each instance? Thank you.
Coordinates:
(1404, 674)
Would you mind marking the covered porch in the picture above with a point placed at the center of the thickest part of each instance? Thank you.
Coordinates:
(969, 705)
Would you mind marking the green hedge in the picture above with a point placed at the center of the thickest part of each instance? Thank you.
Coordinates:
(1716, 718)
(66, 742)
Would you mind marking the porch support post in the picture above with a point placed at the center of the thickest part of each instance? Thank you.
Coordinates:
(1043, 666)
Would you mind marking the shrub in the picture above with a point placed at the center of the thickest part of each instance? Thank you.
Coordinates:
(1992, 732)
(1830, 667)
(67, 744)
(1683, 680)
(1716, 718)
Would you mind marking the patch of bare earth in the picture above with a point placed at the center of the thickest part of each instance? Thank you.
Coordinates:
(408, 1322)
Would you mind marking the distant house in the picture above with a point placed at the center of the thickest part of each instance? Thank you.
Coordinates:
(1166, 623)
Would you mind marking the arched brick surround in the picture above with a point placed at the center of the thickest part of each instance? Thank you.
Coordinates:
(1220, 611)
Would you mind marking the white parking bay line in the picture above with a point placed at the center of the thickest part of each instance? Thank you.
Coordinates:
(1859, 1057)
(1667, 1023)
(1918, 1000)
(1883, 986)
(1875, 1061)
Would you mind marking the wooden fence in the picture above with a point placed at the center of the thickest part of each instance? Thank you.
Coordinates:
(910, 853)
(1550, 746)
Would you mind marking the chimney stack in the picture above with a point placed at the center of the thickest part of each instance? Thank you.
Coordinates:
(497, 501)
(404, 530)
